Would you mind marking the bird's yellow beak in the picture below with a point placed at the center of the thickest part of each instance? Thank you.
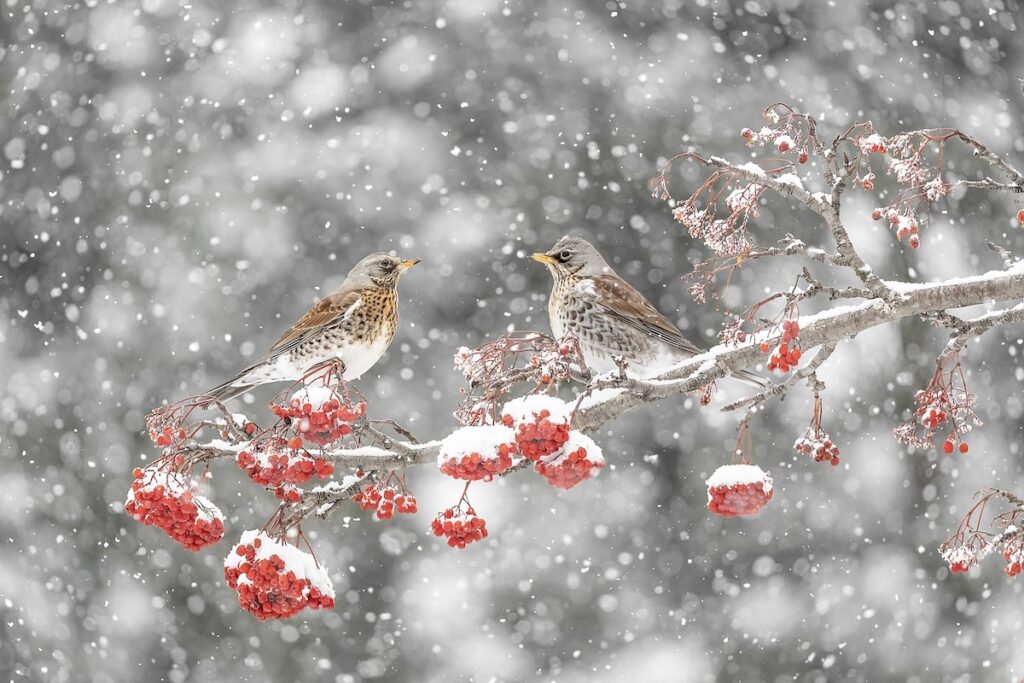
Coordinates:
(543, 258)
(406, 265)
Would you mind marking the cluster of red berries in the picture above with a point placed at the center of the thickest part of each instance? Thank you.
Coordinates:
(931, 412)
(474, 466)
(787, 354)
(581, 459)
(460, 527)
(949, 445)
(320, 417)
(163, 500)
(1014, 556)
(167, 435)
(477, 452)
(540, 434)
(905, 226)
(385, 500)
(959, 558)
(818, 446)
(873, 144)
(275, 465)
(267, 586)
(738, 490)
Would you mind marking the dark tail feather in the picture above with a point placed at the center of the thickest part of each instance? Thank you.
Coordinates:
(227, 391)
(748, 377)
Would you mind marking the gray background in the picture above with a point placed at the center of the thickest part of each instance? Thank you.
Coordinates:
(179, 182)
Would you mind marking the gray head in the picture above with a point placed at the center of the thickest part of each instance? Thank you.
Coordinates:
(573, 256)
(378, 270)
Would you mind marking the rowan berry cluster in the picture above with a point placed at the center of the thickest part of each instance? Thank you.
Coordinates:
(477, 452)
(820, 448)
(787, 353)
(319, 414)
(960, 558)
(275, 580)
(945, 402)
(540, 423)
(385, 499)
(168, 501)
(579, 459)
(1013, 553)
(735, 490)
(276, 464)
(460, 527)
(905, 224)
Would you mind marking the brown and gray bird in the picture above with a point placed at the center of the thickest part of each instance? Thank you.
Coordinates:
(608, 317)
(354, 324)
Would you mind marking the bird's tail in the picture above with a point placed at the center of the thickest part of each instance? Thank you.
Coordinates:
(235, 386)
(747, 377)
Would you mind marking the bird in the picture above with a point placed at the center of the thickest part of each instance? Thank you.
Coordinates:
(610, 319)
(353, 325)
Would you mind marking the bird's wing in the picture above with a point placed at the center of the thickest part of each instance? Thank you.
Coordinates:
(330, 311)
(621, 301)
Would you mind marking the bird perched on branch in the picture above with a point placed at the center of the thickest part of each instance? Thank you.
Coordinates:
(609, 318)
(353, 325)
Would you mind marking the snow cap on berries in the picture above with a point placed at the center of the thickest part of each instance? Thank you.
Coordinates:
(738, 490)
(168, 501)
(275, 580)
(580, 458)
(477, 452)
(527, 408)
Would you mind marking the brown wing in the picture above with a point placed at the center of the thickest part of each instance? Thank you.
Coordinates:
(325, 313)
(629, 306)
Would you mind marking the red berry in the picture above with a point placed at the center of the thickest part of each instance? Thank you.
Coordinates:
(947, 447)
(1020, 216)
(877, 214)
(963, 447)
(802, 158)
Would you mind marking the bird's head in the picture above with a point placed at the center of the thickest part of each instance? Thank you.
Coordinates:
(572, 256)
(380, 270)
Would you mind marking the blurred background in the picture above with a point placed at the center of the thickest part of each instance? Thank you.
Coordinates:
(180, 180)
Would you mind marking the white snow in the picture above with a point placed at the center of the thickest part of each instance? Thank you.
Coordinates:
(302, 564)
(732, 475)
(750, 167)
(526, 408)
(599, 396)
(790, 179)
(482, 440)
(315, 395)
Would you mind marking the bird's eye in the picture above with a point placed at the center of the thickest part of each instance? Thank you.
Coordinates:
(565, 255)
(388, 266)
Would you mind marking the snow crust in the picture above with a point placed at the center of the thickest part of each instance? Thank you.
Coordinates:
(525, 408)
(732, 475)
(302, 564)
(483, 440)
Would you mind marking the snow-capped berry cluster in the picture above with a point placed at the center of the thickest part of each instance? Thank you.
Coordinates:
(540, 423)
(959, 558)
(1013, 553)
(385, 500)
(579, 459)
(460, 527)
(738, 490)
(477, 452)
(905, 224)
(275, 465)
(168, 501)
(944, 402)
(319, 414)
(818, 446)
(275, 580)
